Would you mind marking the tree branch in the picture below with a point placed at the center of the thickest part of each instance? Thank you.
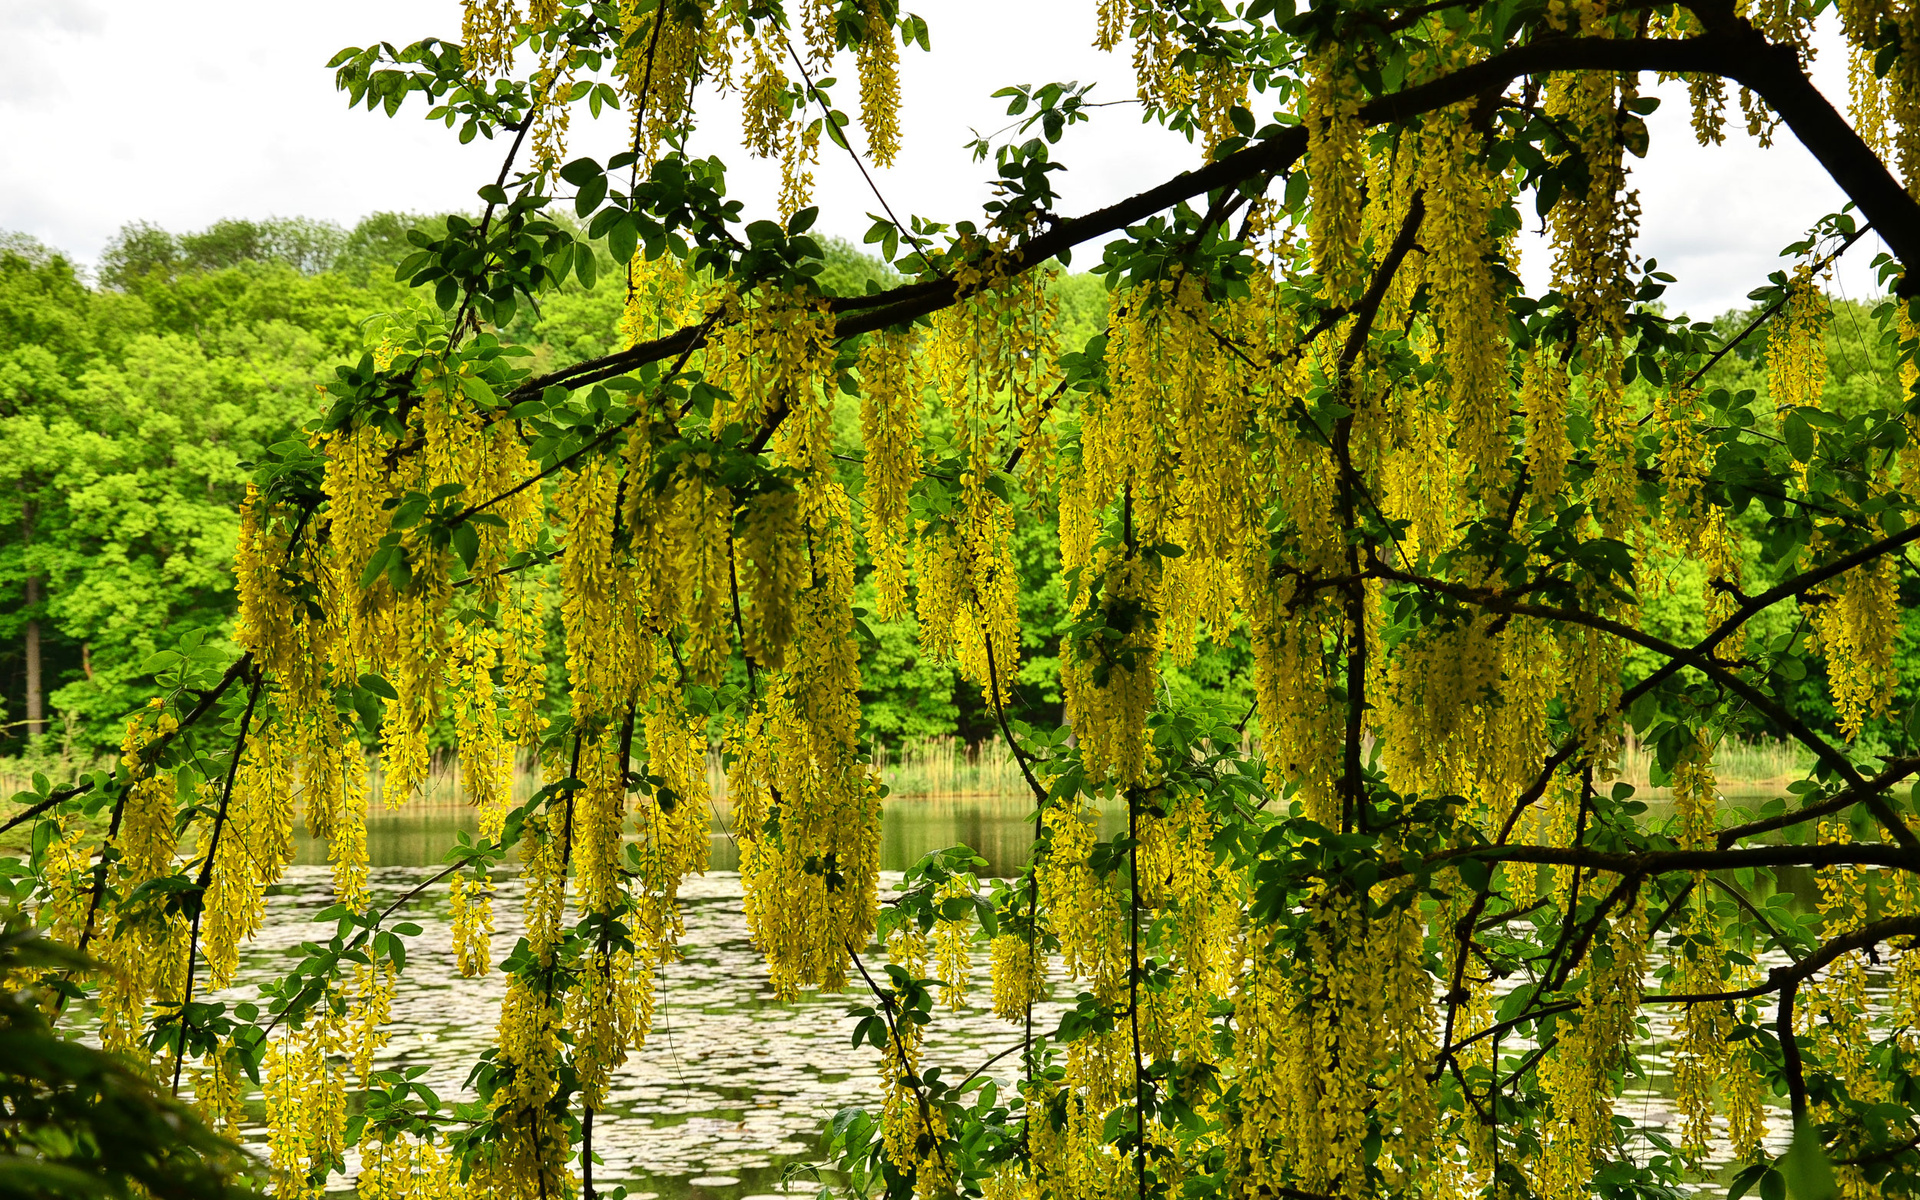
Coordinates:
(1666, 862)
(1736, 52)
(1693, 657)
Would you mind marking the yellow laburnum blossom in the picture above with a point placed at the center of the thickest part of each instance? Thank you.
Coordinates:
(952, 941)
(1334, 170)
(472, 924)
(255, 846)
(662, 48)
(879, 61)
(1858, 630)
(1796, 346)
(890, 408)
(1019, 976)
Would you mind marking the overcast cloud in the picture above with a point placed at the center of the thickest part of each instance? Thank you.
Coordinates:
(186, 112)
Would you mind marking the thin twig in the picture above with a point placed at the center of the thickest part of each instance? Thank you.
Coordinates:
(206, 870)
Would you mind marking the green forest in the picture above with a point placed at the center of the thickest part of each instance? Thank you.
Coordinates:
(134, 399)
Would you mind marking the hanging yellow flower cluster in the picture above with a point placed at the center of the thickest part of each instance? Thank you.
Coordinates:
(1796, 357)
(1334, 172)
(879, 64)
(983, 366)
(890, 408)
(666, 49)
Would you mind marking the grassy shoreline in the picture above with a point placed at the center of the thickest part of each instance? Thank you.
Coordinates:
(949, 768)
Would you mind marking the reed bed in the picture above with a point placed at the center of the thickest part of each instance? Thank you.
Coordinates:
(951, 768)
(934, 768)
(1738, 765)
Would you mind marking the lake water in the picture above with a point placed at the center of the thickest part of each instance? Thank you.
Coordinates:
(732, 1086)
(1000, 828)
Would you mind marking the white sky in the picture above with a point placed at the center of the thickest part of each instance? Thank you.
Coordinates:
(185, 112)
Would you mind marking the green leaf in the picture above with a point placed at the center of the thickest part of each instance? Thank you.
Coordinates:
(1474, 872)
(478, 391)
(591, 193)
(159, 661)
(1515, 1002)
(622, 237)
(1798, 435)
(580, 170)
(1744, 1181)
(1808, 1174)
(1296, 193)
(466, 543)
(377, 565)
(379, 687)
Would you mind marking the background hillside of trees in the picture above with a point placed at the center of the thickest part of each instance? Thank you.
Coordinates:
(131, 402)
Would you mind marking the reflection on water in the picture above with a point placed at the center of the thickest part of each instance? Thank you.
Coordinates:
(731, 1085)
(1737, 807)
(999, 828)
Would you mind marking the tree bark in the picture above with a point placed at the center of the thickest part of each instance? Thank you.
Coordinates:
(36, 722)
(36, 697)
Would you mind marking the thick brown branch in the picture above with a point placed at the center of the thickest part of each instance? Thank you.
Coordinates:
(1785, 980)
(1895, 771)
(1735, 51)
(1789, 979)
(1666, 862)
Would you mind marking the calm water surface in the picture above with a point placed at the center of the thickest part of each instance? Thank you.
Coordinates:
(731, 1086)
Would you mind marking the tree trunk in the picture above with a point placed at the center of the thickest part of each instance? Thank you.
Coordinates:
(36, 700)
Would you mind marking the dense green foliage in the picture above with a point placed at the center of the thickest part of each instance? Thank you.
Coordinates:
(1861, 374)
(77, 1124)
(127, 414)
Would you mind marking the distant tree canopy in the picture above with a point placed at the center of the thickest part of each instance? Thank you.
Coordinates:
(126, 415)
(143, 250)
(1351, 562)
